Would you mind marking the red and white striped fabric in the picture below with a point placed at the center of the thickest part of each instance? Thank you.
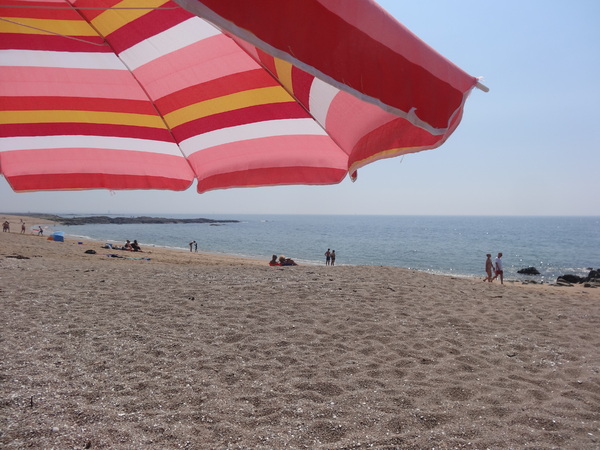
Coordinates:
(145, 94)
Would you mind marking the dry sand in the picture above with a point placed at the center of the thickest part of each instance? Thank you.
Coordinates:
(200, 352)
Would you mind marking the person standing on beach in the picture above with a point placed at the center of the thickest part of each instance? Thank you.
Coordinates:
(192, 245)
(327, 257)
(489, 265)
(498, 268)
(195, 246)
(332, 257)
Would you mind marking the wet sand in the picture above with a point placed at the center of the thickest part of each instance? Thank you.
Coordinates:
(168, 349)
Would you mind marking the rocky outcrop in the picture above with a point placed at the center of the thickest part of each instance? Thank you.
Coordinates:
(129, 220)
(592, 280)
(593, 276)
(529, 271)
(572, 279)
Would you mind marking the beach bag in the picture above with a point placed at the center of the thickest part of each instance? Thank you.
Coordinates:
(91, 252)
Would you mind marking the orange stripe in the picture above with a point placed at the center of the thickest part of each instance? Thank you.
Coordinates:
(113, 19)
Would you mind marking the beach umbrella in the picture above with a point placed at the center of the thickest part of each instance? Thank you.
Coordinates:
(152, 94)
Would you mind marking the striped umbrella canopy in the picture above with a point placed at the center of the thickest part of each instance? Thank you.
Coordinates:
(153, 94)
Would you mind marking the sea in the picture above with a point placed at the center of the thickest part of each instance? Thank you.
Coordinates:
(448, 245)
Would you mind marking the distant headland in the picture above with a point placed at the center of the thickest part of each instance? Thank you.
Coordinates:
(122, 220)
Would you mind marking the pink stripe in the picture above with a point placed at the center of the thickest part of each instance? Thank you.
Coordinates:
(207, 60)
(394, 138)
(93, 161)
(269, 152)
(349, 119)
(43, 81)
(272, 177)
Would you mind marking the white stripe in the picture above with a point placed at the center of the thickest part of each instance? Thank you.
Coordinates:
(249, 131)
(67, 60)
(107, 142)
(180, 36)
(320, 98)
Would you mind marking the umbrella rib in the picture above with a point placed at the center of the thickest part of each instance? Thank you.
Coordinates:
(88, 7)
(76, 8)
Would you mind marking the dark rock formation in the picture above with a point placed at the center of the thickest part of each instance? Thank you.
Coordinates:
(570, 279)
(127, 220)
(529, 271)
(592, 278)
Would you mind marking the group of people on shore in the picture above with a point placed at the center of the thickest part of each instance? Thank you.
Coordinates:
(282, 261)
(133, 246)
(330, 257)
(6, 228)
(495, 266)
(129, 246)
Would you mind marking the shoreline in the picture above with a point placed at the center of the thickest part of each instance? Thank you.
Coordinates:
(542, 280)
(157, 253)
(175, 255)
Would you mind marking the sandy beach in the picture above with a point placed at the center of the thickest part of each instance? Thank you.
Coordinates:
(171, 349)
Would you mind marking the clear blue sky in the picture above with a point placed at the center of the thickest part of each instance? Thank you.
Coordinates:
(531, 146)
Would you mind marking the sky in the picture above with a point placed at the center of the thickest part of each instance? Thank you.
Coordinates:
(530, 146)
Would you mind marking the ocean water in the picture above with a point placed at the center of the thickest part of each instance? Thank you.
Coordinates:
(436, 244)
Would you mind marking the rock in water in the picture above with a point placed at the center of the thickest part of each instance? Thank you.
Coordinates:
(529, 271)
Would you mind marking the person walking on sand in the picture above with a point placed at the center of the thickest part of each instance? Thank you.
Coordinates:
(327, 257)
(332, 256)
(22, 227)
(498, 268)
(489, 265)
